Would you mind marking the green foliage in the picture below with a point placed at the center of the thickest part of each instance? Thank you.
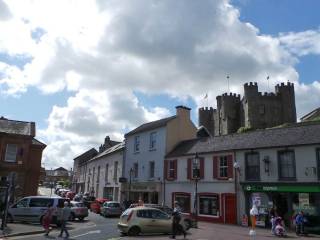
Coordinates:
(64, 183)
(244, 129)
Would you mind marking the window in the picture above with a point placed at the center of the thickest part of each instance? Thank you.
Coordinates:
(252, 166)
(22, 204)
(106, 173)
(40, 202)
(286, 165)
(98, 176)
(153, 140)
(11, 153)
(135, 170)
(136, 143)
(171, 169)
(223, 167)
(195, 169)
(209, 205)
(115, 171)
(151, 171)
(93, 173)
(184, 201)
(318, 162)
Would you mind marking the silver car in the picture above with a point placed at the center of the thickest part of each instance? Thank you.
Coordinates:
(78, 210)
(111, 208)
(32, 209)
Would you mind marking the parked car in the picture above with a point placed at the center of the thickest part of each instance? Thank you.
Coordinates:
(32, 209)
(138, 220)
(78, 210)
(70, 195)
(188, 221)
(96, 204)
(111, 208)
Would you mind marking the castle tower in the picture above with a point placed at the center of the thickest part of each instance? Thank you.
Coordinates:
(206, 119)
(227, 116)
(287, 98)
(250, 90)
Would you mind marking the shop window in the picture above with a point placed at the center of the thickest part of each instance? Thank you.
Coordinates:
(318, 163)
(252, 160)
(286, 165)
(11, 153)
(136, 143)
(209, 205)
(223, 167)
(184, 201)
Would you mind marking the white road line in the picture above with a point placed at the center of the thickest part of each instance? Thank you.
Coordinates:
(90, 232)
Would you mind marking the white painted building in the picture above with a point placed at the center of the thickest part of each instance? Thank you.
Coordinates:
(146, 147)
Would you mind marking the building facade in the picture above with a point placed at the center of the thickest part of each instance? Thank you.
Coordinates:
(145, 149)
(20, 156)
(255, 110)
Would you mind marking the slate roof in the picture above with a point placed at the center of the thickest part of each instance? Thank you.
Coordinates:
(150, 126)
(37, 142)
(87, 155)
(311, 115)
(298, 134)
(17, 127)
(110, 150)
(60, 169)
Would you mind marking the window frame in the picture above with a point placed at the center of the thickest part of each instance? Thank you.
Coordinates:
(135, 170)
(183, 195)
(171, 169)
(294, 165)
(106, 176)
(225, 168)
(115, 170)
(151, 170)
(153, 141)
(136, 147)
(7, 153)
(209, 195)
(252, 178)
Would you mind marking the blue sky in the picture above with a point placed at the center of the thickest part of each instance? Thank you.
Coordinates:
(130, 62)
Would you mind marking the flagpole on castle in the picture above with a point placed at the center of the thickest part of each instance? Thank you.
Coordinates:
(268, 83)
(206, 97)
(228, 77)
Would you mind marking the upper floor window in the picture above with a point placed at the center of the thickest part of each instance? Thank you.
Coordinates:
(98, 175)
(136, 143)
(93, 173)
(153, 140)
(170, 168)
(252, 166)
(223, 167)
(171, 172)
(106, 177)
(11, 153)
(318, 162)
(151, 171)
(115, 171)
(135, 170)
(286, 165)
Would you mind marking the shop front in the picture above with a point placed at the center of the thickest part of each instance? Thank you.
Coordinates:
(148, 192)
(286, 200)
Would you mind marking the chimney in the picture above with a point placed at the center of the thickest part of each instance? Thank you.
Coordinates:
(33, 129)
(183, 112)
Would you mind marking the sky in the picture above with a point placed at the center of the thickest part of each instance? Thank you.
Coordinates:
(83, 70)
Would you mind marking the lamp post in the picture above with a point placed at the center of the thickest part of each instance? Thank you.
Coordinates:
(196, 177)
(130, 179)
(236, 167)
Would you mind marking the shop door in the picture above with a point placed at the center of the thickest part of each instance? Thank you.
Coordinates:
(230, 209)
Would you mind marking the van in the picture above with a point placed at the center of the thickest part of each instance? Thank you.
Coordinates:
(32, 209)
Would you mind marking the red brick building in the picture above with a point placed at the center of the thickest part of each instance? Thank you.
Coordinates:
(20, 155)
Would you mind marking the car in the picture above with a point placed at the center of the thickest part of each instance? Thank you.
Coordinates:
(111, 208)
(96, 204)
(135, 221)
(188, 221)
(78, 210)
(32, 209)
(70, 195)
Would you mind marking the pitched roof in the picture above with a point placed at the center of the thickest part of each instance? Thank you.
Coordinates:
(150, 126)
(298, 134)
(110, 150)
(87, 155)
(37, 142)
(311, 115)
(60, 169)
(17, 127)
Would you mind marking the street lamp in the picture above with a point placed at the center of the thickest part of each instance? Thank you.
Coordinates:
(130, 179)
(196, 177)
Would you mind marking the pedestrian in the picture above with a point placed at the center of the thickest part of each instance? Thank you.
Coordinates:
(65, 214)
(300, 220)
(47, 218)
(176, 217)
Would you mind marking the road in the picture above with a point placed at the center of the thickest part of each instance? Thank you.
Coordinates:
(95, 227)
(46, 191)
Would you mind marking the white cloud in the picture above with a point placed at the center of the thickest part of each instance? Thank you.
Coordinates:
(105, 51)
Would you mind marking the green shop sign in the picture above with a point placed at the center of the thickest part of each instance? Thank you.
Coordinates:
(281, 188)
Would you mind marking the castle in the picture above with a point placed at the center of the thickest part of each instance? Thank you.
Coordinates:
(255, 110)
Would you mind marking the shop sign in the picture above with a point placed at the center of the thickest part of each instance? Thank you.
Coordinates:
(303, 199)
(256, 199)
(281, 188)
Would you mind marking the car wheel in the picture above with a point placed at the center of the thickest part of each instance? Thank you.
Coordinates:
(81, 218)
(134, 231)
(187, 223)
(72, 217)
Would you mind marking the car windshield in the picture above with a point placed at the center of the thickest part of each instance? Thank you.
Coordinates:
(126, 212)
(114, 205)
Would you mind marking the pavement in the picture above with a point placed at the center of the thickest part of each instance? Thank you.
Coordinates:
(20, 229)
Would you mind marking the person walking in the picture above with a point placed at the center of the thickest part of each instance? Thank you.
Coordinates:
(47, 218)
(300, 223)
(65, 214)
(176, 227)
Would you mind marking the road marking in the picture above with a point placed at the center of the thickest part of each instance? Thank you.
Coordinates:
(90, 232)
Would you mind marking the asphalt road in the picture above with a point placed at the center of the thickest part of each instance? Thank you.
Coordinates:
(95, 227)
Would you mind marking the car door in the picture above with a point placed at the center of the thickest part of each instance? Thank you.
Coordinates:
(145, 223)
(38, 207)
(161, 222)
(19, 211)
